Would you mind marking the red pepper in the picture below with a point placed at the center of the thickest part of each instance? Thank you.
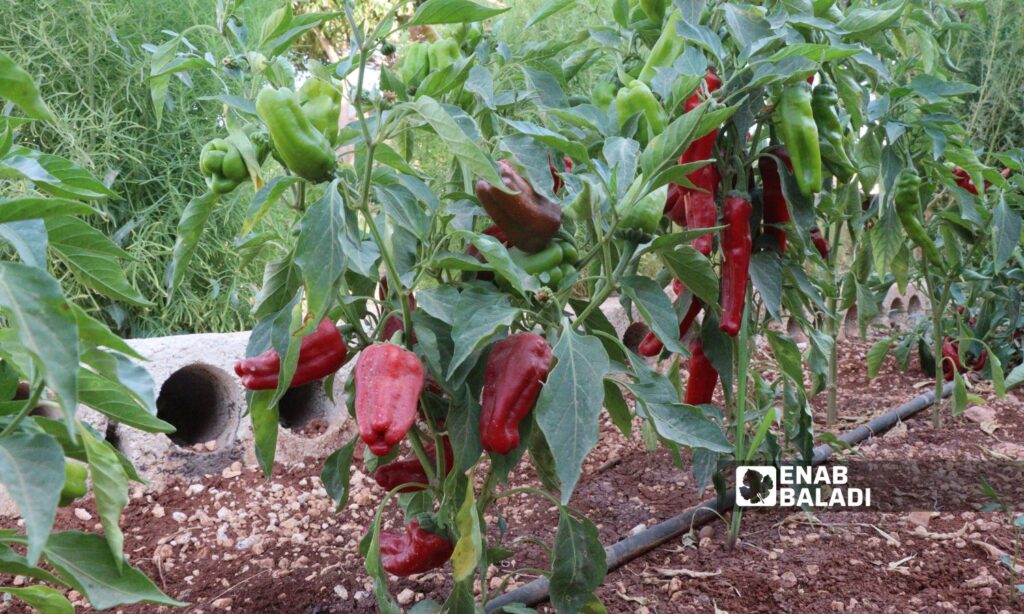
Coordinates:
(516, 371)
(321, 353)
(555, 176)
(963, 179)
(410, 470)
(700, 386)
(674, 197)
(528, 219)
(388, 382)
(951, 359)
(698, 208)
(820, 242)
(678, 287)
(415, 551)
(776, 211)
(394, 323)
(736, 246)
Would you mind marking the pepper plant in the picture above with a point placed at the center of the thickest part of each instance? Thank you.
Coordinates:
(53, 358)
(472, 300)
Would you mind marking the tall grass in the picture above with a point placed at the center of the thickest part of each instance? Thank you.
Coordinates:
(89, 60)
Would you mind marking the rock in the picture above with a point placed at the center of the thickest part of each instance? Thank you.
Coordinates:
(406, 596)
(158, 511)
(223, 603)
(82, 514)
(179, 517)
(920, 519)
(788, 579)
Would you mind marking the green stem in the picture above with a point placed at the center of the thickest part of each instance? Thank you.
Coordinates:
(740, 409)
(421, 454)
(833, 330)
(30, 404)
(608, 287)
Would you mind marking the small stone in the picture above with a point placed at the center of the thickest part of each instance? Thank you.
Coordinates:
(812, 570)
(341, 592)
(210, 445)
(788, 579)
(706, 532)
(195, 489)
(158, 511)
(406, 596)
(222, 604)
(179, 517)
(82, 514)
(980, 414)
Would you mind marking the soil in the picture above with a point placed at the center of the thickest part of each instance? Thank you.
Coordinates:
(237, 542)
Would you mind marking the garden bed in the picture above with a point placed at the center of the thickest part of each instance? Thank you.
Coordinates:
(238, 541)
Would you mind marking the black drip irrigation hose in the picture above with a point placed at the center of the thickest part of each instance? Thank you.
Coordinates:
(622, 552)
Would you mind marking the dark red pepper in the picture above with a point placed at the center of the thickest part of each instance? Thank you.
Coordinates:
(415, 551)
(528, 219)
(516, 371)
(736, 246)
(951, 359)
(698, 206)
(321, 353)
(410, 470)
(388, 382)
(700, 385)
(556, 178)
(775, 209)
(820, 242)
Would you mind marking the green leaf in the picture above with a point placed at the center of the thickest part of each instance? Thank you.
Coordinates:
(337, 471)
(32, 471)
(1005, 232)
(94, 332)
(18, 86)
(469, 547)
(46, 326)
(787, 355)
(617, 408)
(578, 564)
(865, 20)
(551, 7)
(569, 404)
(1015, 377)
(483, 312)
(12, 563)
(455, 139)
(114, 400)
(28, 208)
(681, 132)
(92, 257)
(694, 270)
(85, 562)
(264, 426)
(190, 227)
(766, 275)
(42, 598)
(959, 394)
(655, 308)
(53, 174)
(110, 485)
(452, 11)
(876, 356)
(263, 200)
(573, 147)
(320, 254)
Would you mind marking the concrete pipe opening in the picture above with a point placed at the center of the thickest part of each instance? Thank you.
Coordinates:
(199, 400)
(896, 309)
(914, 305)
(307, 409)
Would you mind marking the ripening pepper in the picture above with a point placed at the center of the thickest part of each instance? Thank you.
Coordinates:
(528, 219)
(415, 551)
(736, 247)
(652, 346)
(908, 209)
(321, 353)
(963, 179)
(388, 382)
(74, 487)
(556, 177)
(820, 242)
(699, 207)
(303, 149)
(517, 368)
(700, 386)
(414, 65)
(673, 198)
(443, 53)
(603, 95)
(644, 214)
(410, 471)
(638, 98)
(951, 360)
(223, 166)
(800, 136)
(775, 209)
(321, 103)
(669, 46)
(833, 146)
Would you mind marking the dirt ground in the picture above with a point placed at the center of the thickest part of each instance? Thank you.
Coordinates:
(236, 542)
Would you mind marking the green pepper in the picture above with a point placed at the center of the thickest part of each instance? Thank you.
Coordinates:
(908, 209)
(222, 165)
(544, 260)
(663, 54)
(603, 95)
(414, 65)
(75, 475)
(638, 98)
(833, 147)
(304, 150)
(321, 103)
(443, 53)
(800, 136)
(644, 214)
